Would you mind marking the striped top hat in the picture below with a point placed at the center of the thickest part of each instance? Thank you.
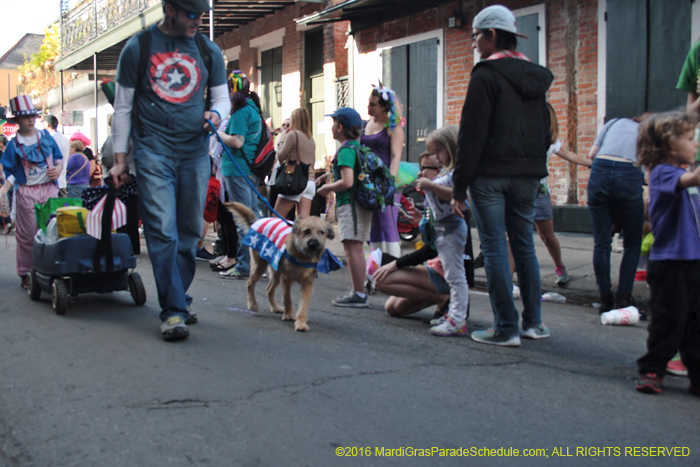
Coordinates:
(21, 105)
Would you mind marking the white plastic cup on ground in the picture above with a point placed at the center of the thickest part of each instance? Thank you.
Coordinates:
(323, 216)
(628, 316)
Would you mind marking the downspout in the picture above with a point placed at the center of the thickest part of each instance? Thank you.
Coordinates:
(572, 97)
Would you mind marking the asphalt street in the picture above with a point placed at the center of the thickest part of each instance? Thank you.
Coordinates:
(98, 386)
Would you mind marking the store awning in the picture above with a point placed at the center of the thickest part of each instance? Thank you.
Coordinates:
(366, 13)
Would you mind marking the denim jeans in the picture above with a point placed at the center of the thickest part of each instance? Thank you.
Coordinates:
(76, 191)
(507, 205)
(239, 190)
(450, 238)
(172, 192)
(615, 195)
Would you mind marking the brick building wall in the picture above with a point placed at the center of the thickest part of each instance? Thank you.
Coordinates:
(571, 40)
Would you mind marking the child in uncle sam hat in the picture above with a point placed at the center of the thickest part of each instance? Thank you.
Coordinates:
(32, 162)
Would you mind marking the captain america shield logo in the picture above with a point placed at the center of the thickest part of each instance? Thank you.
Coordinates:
(174, 76)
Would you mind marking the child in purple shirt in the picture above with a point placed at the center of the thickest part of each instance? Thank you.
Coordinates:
(666, 142)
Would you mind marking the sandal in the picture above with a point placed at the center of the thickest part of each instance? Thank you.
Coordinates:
(219, 267)
(25, 281)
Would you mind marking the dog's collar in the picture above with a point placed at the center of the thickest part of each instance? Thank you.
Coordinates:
(296, 262)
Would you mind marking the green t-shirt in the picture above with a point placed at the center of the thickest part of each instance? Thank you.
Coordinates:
(688, 80)
(244, 122)
(345, 156)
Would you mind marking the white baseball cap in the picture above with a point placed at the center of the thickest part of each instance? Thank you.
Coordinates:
(496, 17)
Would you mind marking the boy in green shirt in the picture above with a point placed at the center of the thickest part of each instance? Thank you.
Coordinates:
(688, 81)
(354, 221)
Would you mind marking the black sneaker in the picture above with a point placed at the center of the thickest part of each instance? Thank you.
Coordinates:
(607, 301)
(204, 255)
(192, 318)
(649, 383)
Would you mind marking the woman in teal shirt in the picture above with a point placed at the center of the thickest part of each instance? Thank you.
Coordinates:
(241, 136)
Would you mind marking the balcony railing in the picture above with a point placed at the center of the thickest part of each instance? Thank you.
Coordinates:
(92, 18)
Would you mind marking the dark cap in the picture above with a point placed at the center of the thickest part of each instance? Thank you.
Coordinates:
(51, 120)
(193, 6)
(347, 117)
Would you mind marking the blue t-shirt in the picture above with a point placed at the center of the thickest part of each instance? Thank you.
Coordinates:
(674, 214)
(245, 122)
(170, 100)
(618, 138)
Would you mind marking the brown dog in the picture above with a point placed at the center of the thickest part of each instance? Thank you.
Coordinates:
(305, 244)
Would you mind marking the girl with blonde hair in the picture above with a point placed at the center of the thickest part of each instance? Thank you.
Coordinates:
(450, 232)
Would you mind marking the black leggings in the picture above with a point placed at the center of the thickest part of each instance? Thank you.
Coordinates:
(675, 320)
(227, 232)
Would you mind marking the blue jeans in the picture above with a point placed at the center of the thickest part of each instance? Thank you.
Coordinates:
(172, 192)
(507, 205)
(76, 191)
(615, 195)
(239, 190)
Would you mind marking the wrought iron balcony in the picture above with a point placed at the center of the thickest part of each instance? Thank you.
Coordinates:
(92, 18)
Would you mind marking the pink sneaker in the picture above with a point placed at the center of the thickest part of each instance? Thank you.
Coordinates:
(676, 367)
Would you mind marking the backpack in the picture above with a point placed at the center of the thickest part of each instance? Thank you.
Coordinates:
(266, 154)
(375, 185)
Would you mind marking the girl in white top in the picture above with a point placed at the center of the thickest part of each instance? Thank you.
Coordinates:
(450, 231)
(544, 218)
(299, 145)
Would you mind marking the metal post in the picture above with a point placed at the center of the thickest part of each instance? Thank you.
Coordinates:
(94, 67)
(63, 126)
(211, 20)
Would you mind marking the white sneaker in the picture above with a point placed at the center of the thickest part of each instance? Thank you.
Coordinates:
(516, 292)
(438, 321)
(450, 328)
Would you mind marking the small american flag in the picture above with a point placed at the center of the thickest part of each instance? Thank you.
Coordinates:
(93, 226)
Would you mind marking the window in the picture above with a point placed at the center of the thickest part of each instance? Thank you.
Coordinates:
(645, 43)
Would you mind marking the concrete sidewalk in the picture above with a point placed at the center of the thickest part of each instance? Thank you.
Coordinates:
(577, 255)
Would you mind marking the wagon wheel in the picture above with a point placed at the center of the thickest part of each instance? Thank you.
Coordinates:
(59, 296)
(137, 289)
(33, 288)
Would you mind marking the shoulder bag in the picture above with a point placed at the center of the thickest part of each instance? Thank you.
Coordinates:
(292, 175)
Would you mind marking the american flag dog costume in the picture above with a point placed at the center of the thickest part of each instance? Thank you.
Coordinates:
(295, 253)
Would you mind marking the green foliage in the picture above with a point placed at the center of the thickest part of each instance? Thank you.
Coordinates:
(38, 69)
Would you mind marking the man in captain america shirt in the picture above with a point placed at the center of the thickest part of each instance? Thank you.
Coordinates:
(163, 110)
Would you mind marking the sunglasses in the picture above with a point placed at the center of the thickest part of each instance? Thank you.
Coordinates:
(476, 34)
(427, 167)
(191, 15)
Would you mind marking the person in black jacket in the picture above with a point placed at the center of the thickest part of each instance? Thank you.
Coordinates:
(501, 155)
